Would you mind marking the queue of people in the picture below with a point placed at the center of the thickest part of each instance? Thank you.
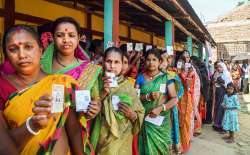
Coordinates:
(62, 98)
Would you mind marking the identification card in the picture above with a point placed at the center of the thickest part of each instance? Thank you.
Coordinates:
(170, 50)
(110, 44)
(179, 65)
(113, 80)
(129, 47)
(163, 88)
(82, 100)
(148, 47)
(57, 98)
(138, 47)
(115, 102)
(156, 121)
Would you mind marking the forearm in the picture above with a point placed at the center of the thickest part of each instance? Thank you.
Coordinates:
(170, 104)
(74, 134)
(7, 146)
(20, 136)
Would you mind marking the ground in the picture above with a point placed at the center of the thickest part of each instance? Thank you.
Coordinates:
(211, 142)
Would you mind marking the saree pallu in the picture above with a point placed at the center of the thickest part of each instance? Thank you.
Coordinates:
(111, 132)
(154, 140)
(197, 121)
(175, 132)
(19, 107)
(185, 108)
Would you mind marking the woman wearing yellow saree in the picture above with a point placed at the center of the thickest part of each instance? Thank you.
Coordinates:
(121, 115)
(26, 102)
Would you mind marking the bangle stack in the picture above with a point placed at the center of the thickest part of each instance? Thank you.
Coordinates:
(29, 128)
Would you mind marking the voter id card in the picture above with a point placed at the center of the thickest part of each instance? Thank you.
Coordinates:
(113, 81)
(115, 102)
(57, 98)
(83, 100)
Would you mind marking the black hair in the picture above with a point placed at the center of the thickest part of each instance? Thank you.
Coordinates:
(16, 28)
(155, 52)
(125, 54)
(231, 85)
(123, 47)
(113, 49)
(95, 43)
(70, 20)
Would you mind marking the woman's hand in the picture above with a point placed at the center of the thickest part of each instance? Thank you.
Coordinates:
(42, 112)
(155, 111)
(127, 111)
(93, 109)
(154, 95)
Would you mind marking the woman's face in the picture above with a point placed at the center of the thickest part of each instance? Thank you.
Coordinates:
(187, 58)
(113, 63)
(152, 62)
(170, 60)
(23, 52)
(219, 68)
(230, 90)
(164, 63)
(125, 65)
(66, 38)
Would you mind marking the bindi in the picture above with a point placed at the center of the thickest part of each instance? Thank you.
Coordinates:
(19, 43)
(66, 30)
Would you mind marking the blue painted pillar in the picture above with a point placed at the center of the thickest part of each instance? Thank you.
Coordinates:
(190, 45)
(168, 33)
(108, 22)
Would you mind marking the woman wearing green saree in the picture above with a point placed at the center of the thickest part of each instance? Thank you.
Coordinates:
(158, 96)
(122, 113)
(65, 56)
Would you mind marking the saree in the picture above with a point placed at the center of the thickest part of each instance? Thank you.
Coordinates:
(196, 118)
(153, 139)
(185, 108)
(111, 132)
(19, 107)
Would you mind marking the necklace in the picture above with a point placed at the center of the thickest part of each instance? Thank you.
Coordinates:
(57, 60)
(23, 82)
(151, 77)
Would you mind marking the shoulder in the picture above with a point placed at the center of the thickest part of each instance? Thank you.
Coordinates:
(6, 89)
